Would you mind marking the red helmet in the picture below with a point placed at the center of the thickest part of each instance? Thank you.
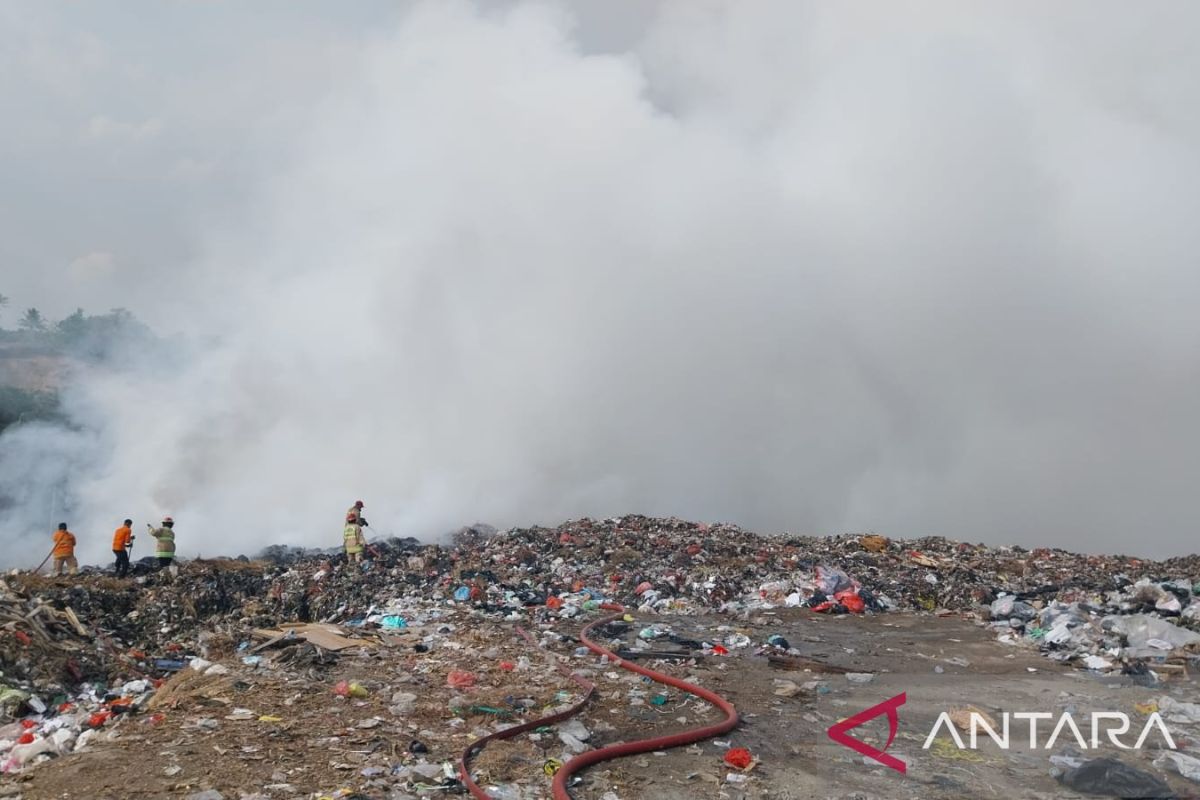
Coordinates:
(358, 504)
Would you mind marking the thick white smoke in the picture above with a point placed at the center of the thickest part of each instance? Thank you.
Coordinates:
(803, 267)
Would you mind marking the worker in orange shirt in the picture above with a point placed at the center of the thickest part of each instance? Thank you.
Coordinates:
(122, 543)
(64, 551)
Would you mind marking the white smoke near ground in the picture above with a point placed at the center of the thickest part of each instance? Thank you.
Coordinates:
(802, 267)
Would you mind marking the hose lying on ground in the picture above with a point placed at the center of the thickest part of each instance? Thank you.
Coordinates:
(559, 787)
(642, 745)
(477, 746)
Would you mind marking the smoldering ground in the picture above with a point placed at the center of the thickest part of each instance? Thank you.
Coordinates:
(921, 270)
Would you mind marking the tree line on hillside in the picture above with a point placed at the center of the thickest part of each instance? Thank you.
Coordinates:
(88, 337)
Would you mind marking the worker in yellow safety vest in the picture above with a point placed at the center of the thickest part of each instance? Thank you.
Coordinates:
(352, 538)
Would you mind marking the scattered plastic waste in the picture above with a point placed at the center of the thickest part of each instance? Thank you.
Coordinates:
(738, 758)
(1185, 765)
(460, 679)
(350, 689)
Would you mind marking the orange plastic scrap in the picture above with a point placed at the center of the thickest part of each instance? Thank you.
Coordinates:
(851, 600)
(738, 758)
(460, 679)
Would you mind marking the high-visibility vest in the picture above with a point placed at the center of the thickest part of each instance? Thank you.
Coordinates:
(165, 538)
(352, 536)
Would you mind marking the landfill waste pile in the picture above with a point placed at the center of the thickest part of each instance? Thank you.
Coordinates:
(442, 647)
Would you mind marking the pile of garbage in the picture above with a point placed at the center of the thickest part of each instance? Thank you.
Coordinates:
(77, 653)
(1124, 628)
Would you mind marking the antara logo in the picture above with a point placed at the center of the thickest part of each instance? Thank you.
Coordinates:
(1119, 725)
(890, 707)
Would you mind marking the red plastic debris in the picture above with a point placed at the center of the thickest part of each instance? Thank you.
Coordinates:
(460, 679)
(99, 718)
(719, 650)
(28, 723)
(23, 638)
(738, 757)
(554, 603)
(25, 738)
(643, 587)
(507, 666)
(694, 549)
(851, 601)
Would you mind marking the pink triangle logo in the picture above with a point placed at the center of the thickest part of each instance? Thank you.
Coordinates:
(838, 732)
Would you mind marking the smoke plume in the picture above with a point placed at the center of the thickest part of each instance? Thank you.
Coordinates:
(923, 270)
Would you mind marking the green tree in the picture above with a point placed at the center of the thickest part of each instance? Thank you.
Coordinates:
(73, 328)
(33, 321)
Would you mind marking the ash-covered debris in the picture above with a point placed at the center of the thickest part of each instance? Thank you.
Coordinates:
(83, 642)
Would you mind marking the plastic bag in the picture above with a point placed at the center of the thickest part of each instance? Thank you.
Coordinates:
(738, 758)
(1149, 635)
(851, 600)
(1185, 765)
(831, 581)
(460, 679)
(1113, 778)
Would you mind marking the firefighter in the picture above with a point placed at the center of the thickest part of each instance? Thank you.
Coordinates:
(352, 538)
(164, 549)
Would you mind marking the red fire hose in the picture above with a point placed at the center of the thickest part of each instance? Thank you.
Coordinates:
(642, 745)
(477, 746)
(559, 787)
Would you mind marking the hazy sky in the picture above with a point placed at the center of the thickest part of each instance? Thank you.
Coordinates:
(921, 268)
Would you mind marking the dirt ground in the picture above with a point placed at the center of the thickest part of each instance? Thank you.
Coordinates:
(27, 368)
(279, 731)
